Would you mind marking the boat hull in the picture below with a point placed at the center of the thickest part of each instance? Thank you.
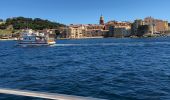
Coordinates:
(35, 44)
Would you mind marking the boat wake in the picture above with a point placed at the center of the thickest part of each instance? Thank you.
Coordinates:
(44, 95)
(116, 44)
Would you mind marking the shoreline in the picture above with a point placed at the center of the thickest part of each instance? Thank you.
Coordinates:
(100, 37)
(155, 36)
(13, 39)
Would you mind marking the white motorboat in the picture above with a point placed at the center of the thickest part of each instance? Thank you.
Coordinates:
(29, 38)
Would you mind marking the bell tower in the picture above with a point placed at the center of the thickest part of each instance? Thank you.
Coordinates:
(101, 22)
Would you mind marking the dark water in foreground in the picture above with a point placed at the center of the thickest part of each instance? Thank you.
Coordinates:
(113, 69)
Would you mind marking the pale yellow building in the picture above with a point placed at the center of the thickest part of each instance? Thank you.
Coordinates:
(75, 31)
(85, 31)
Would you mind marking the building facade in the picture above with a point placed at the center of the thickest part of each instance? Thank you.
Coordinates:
(160, 26)
(145, 30)
(135, 26)
(121, 32)
(149, 26)
(87, 30)
(118, 29)
(75, 31)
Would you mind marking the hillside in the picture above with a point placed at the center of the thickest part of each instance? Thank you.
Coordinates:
(35, 24)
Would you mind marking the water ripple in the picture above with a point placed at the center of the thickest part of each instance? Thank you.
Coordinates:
(114, 69)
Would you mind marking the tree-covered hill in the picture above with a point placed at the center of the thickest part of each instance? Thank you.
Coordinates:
(35, 24)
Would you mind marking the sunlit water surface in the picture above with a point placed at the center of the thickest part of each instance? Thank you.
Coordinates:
(113, 69)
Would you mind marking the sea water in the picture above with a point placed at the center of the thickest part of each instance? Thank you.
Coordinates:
(113, 69)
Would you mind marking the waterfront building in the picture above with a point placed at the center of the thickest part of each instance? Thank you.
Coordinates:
(95, 33)
(135, 26)
(86, 30)
(145, 30)
(149, 26)
(75, 31)
(160, 26)
(117, 24)
(118, 29)
(95, 30)
(120, 32)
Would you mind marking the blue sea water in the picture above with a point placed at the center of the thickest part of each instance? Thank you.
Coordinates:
(113, 69)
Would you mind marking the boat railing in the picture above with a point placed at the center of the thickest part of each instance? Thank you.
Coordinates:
(44, 95)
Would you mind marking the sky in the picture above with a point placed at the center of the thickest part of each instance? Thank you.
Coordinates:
(85, 11)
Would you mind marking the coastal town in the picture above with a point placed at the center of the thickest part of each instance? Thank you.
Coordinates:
(147, 27)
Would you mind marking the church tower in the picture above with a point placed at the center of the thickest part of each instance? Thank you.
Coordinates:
(101, 20)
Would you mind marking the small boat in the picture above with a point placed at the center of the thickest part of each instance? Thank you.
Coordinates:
(30, 38)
